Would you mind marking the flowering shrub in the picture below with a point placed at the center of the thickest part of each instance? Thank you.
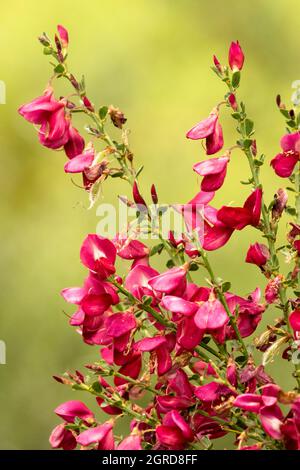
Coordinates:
(186, 350)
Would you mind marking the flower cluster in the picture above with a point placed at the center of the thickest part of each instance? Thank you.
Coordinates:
(163, 337)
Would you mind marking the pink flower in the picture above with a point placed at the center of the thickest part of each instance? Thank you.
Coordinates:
(213, 171)
(137, 281)
(285, 162)
(258, 254)
(239, 217)
(80, 162)
(102, 435)
(174, 433)
(211, 315)
(99, 255)
(131, 249)
(170, 282)
(132, 442)
(40, 109)
(212, 392)
(75, 144)
(159, 345)
(216, 233)
(236, 56)
(64, 36)
(54, 132)
(266, 406)
(178, 305)
(71, 409)
(211, 130)
(62, 438)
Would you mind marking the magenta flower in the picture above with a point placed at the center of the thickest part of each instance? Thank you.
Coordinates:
(211, 315)
(137, 281)
(99, 255)
(74, 409)
(159, 346)
(179, 305)
(174, 433)
(213, 171)
(266, 406)
(170, 282)
(285, 162)
(239, 217)
(211, 130)
(54, 132)
(101, 435)
(258, 254)
(75, 144)
(62, 438)
(132, 442)
(40, 109)
(80, 162)
(236, 56)
(216, 233)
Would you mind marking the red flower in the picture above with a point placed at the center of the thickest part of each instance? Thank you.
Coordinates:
(285, 162)
(239, 217)
(258, 254)
(214, 172)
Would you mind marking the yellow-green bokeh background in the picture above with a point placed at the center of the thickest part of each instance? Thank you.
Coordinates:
(152, 58)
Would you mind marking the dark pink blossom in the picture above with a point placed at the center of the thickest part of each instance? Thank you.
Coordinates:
(101, 435)
(170, 282)
(71, 409)
(213, 171)
(39, 110)
(285, 162)
(174, 433)
(54, 132)
(258, 254)
(236, 56)
(211, 130)
(75, 144)
(239, 217)
(62, 438)
(99, 255)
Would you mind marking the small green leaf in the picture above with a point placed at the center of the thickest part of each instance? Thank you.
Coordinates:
(236, 76)
(226, 286)
(170, 264)
(59, 68)
(285, 113)
(193, 267)
(236, 116)
(47, 50)
(157, 249)
(249, 125)
(103, 112)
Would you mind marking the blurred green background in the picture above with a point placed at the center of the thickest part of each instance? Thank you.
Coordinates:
(152, 59)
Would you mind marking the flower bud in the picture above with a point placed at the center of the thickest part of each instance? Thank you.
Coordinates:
(154, 194)
(258, 254)
(236, 56)
(63, 35)
(232, 101)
